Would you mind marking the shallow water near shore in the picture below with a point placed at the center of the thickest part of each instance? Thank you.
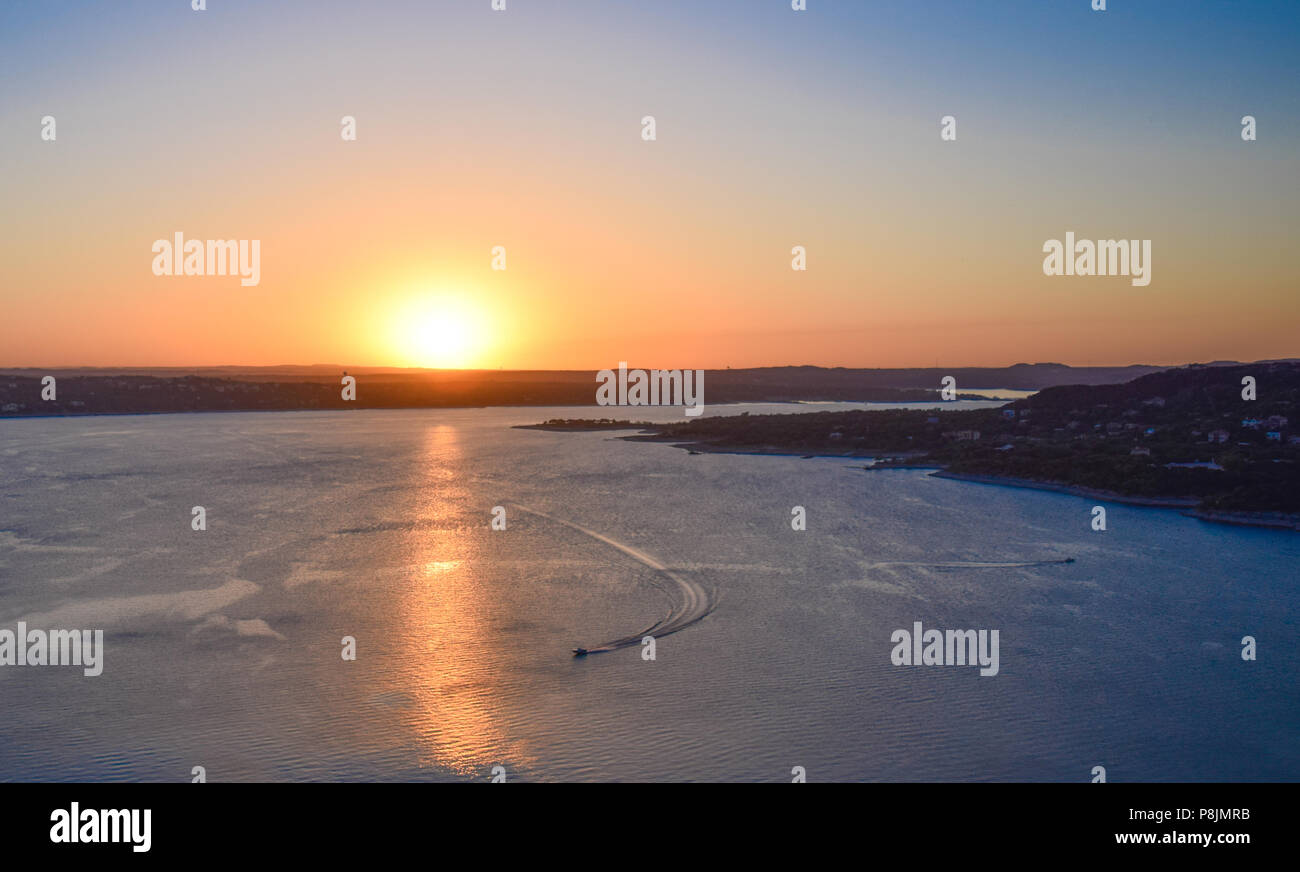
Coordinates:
(223, 646)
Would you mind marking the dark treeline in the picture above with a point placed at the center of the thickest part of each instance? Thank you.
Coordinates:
(89, 391)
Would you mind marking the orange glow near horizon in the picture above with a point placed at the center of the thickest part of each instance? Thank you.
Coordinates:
(672, 253)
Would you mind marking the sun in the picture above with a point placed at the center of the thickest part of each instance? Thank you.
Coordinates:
(444, 332)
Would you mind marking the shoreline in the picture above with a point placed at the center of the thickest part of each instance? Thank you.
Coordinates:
(765, 451)
(1189, 507)
(1071, 489)
(14, 416)
(1271, 520)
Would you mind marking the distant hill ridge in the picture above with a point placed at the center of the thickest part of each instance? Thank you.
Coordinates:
(126, 391)
(1209, 389)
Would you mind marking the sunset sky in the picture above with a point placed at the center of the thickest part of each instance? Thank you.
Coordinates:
(522, 129)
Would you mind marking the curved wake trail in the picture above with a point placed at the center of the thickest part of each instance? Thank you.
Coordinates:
(688, 600)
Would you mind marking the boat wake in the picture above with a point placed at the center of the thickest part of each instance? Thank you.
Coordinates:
(689, 601)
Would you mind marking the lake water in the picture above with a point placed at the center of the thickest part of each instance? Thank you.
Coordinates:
(223, 646)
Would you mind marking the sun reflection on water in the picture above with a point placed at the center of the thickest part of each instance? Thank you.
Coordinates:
(453, 673)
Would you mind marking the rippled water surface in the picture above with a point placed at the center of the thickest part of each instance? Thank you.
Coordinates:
(223, 646)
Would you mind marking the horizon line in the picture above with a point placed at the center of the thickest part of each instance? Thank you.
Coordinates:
(420, 369)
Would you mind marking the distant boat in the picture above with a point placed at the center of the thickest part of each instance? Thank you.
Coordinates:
(580, 652)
